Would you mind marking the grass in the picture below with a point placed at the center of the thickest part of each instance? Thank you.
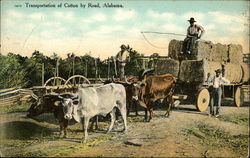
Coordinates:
(65, 150)
(215, 137)
(14, 108)
(34, 139)
(241, 119)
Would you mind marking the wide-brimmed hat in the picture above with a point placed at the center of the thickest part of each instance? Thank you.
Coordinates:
(123, 46)
(218, 71)
(191, 20)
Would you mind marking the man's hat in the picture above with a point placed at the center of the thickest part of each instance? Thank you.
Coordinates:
(218, 71)
(123, 46)
(191, 20)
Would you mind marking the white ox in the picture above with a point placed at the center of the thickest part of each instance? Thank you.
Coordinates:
(91, 101)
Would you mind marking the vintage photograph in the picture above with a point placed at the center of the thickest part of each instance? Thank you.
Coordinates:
(124, 78)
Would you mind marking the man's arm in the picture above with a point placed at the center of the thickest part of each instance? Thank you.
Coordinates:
(202, 31)
(188, 34)
(225, 81)
(210, 79)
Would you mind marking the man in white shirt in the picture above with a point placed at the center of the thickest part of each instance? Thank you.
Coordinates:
(216, 82)
(122, 57)
(194, 32)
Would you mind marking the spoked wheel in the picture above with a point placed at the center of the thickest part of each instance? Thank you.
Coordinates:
(238, 97)
(55, 81)
(203, 99)
(77, 80)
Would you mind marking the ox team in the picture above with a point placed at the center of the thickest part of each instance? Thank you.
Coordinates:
(89, 102)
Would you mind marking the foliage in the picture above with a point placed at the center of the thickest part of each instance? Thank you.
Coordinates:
(14, 108)
(212, 136)
(19, 71)
(12, 73)
(241, 119)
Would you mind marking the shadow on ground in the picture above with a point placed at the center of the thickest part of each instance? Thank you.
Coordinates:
(23, 130)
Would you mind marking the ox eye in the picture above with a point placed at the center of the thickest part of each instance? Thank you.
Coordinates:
(75, 102)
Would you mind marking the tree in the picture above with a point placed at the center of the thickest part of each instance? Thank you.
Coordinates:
(12, 73)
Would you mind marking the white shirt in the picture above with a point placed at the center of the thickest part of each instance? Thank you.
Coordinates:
(122, 56)
(217, 81)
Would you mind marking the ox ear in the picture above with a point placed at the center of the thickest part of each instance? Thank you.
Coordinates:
(57, 103)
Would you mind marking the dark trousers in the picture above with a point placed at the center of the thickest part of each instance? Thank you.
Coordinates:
(188, 44)
(215, 102)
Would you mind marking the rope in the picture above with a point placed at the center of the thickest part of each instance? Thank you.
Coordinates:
(163, 33)
(151, 43)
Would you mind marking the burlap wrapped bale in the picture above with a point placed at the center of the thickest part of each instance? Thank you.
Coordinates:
(201, 50)
(174, 49)
(245, 70)
(235, 53)
(219, 53)
(164, 66)
(196, 71)
(233, 72)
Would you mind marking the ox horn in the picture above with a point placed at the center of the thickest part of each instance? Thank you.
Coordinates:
(127, 81)
(60, 97)
(101, 79)
(113, 79)
(76, 97)
(34, 96)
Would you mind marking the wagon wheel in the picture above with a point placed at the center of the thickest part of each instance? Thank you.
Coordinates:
(238, 97)
(55, 81)
(203, 100)
(77, 80)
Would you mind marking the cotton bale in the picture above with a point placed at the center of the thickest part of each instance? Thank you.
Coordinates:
(174, 49)
(233, 72)
(167, 66)
(201, 50)
(196, 71)
(219, 52)
(235, 53)
(245, 70)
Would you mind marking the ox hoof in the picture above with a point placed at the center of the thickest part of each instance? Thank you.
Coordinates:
(167, 115)
(108, 132)
(146, 120)
(124, 130)
(65, 136)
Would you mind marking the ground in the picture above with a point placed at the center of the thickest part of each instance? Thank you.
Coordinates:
(186, 133)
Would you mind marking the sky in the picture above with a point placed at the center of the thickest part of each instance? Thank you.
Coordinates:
(101, 31)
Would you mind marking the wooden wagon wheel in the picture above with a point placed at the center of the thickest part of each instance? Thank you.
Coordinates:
(238, 100)
(54, 81)
(203, 99)
(77, 80)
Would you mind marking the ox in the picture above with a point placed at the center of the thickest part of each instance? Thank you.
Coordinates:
(157, 87)
(132, 92)
(91, 101)
(49, 104)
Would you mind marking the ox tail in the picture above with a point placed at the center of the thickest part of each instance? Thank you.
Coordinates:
(142, 104)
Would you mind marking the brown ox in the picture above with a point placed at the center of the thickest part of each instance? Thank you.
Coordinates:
(157, 87)
(46, 104)
(49, 104)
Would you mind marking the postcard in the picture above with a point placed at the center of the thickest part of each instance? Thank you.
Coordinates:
(123, 78)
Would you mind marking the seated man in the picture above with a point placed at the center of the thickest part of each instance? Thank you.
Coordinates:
(194, 32)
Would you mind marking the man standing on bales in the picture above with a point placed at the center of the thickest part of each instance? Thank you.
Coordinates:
(194, 32)
(216, 82)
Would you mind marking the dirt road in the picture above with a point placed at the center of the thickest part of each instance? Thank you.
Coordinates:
(186, 133)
